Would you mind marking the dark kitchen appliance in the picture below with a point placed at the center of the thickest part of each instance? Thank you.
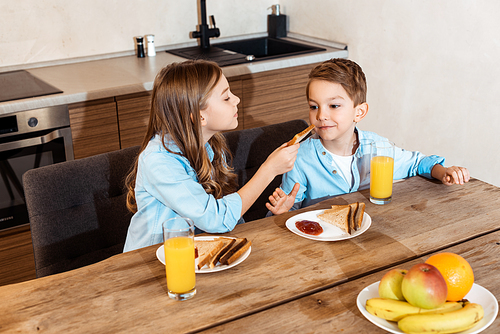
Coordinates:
(21, 84)
(29, 139)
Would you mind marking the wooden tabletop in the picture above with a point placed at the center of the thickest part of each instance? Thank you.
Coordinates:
(127, 292)
(334, 310)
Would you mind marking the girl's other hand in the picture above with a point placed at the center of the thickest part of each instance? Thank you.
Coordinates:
(455, 175)
(282, 159)
(279, 202)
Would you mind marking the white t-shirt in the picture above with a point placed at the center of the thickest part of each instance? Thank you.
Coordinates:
(344, 163)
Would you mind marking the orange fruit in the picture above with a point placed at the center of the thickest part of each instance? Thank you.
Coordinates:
(457, 273)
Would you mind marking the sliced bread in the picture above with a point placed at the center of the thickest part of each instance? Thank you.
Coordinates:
(239, 252)
(352, 215)
(240, 242)
(206, 249)
(358, 218)
(301, 135)
(338, 216)
(228, 242)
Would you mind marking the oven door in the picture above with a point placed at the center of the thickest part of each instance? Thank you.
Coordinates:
(20, 154)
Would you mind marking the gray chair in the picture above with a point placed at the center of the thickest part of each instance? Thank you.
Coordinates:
(77, 210)
(251, 147)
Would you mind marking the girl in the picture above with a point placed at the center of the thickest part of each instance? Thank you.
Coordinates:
(181, 169)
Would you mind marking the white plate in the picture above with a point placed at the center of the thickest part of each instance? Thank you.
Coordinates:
(477, 294)
(160, 254)
(330, 232)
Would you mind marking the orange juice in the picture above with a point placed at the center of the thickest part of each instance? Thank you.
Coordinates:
(179, 264)
(381, 175)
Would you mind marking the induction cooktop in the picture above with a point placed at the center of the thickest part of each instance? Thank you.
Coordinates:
(21, 84)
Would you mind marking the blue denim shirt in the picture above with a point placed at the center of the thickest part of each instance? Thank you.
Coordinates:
(315, 170)
(167, 186)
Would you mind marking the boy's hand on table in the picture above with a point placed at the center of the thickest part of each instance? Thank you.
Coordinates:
(280, 202)
(451, 175)
(456, 175)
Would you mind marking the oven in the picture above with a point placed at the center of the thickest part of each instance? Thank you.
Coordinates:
(29, 139)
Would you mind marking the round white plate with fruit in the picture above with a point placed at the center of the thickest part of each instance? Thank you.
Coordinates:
(477, 294)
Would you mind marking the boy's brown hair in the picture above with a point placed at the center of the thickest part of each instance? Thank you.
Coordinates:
(344, 72)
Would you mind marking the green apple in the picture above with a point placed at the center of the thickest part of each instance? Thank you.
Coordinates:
(423, 286)
(390, 284)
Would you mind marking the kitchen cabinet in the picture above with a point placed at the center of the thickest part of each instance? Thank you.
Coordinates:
(274, 96)
(94, 127)
(133, 116)
(266, 98)
(237, 89)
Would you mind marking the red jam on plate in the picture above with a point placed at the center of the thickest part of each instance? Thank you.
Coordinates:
(309, 227)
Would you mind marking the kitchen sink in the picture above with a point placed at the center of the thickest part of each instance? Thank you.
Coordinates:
(245, 51)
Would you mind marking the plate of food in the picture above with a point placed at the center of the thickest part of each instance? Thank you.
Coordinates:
(477, 294)
(216, 253)
(340, 222)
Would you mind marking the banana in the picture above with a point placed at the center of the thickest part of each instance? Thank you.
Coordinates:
(395, 310)
(450, 322)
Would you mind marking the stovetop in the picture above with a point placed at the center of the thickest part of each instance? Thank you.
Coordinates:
(21, 84)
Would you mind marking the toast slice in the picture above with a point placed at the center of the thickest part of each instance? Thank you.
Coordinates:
(301, 135)
(358, 218)
(228, 242)
(338, 216)
(206, 249)
(239, 252)
(352, 215)
(240, 242)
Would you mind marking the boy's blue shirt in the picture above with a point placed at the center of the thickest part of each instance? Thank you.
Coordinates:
(166, 187)
(318, 177)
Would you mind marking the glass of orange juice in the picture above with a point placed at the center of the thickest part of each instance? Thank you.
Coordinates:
(381, 171)
(178, 239)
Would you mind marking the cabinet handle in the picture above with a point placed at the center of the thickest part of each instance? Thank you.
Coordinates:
(59, 133)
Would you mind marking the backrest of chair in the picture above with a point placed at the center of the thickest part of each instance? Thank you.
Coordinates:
(251, 147)
(77, 210)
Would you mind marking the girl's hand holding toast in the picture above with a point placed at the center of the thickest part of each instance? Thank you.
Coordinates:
(282, 159)
(277, 163)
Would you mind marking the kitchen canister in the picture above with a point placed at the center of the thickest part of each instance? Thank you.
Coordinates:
(150, 40)
(140, 46)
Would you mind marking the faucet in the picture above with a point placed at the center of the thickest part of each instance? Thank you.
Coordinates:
(203, 32)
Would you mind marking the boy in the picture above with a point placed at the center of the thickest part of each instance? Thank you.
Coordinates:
(335, 160)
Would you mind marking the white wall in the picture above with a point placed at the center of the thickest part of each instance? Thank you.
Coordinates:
(432, 69)
(431, 65)
(34, 31)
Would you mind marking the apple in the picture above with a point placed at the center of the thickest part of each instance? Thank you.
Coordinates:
(390, 284)
(423, 286)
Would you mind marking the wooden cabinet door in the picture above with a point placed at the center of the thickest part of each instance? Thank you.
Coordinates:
(94, 127)
(133, 117)
(275, 96)
(237, 89)
(133, 114)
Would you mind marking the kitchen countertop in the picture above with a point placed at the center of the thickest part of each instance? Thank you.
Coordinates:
(96, 79)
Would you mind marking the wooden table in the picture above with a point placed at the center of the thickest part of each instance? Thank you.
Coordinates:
(279, 286)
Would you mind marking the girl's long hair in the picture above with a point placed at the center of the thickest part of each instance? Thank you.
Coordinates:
(180, 91)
